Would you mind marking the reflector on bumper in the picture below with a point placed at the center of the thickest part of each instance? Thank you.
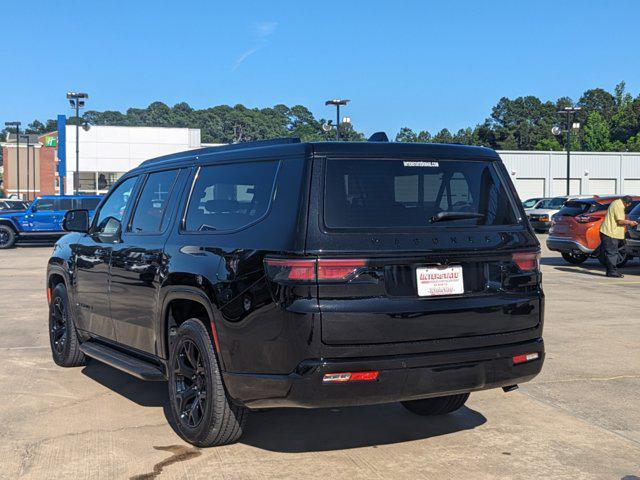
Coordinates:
(350, 377)
(526, 357)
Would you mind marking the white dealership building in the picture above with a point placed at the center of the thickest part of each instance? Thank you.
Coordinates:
(106, 152)
(544, 174)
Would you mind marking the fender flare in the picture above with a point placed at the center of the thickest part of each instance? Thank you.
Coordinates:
(9, 223)
(180, 292)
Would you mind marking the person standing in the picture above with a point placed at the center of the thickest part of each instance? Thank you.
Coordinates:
(612, 232)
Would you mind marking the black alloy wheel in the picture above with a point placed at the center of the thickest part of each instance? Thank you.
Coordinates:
(190, 383)
(58, 325)
(202, 411)
(65, 345)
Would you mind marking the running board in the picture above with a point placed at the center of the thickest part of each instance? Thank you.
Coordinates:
(128, 364)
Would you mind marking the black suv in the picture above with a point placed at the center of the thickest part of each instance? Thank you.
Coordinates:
(288, 274)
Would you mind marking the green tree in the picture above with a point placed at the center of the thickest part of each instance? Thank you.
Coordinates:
(633, 144)
(596, 133)
(424, 137)
(443, 136)
(406, 135)
(523, 122)
(547, 144)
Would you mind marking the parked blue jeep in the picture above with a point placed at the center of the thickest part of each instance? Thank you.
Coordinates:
(42, 221)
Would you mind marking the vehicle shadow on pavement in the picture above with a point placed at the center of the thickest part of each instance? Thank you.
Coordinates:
(554, 261)
(292, 430)
(146, 394)
(313, 430)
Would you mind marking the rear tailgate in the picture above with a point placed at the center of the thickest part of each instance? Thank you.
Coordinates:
(430, 250)
(569, 221)
(381, 303)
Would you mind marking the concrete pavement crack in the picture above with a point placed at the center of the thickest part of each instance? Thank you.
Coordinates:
(579, 417)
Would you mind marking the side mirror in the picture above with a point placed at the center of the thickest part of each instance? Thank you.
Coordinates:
(76, 221)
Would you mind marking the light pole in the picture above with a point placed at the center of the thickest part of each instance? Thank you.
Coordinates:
(568, 111)
(17, 125)
(337, 103)
(28, 168)
(76, 100)
(34, 170)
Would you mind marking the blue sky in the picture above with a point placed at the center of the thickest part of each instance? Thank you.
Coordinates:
(422, 64)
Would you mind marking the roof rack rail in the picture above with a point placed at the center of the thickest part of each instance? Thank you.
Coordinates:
(223, 148)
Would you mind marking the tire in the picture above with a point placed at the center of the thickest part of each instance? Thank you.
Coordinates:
(575, 258)
(624, 257)
(65, 346)
(7, 237)
(436, 405)
(205, 420)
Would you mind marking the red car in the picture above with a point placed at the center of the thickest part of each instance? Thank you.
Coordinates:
(575, 229)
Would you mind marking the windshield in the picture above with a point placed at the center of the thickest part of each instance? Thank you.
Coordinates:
(530, 203)
(386, 194)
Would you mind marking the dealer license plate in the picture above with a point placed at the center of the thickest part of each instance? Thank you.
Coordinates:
(433, 281)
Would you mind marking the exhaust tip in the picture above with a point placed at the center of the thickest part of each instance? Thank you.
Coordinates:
(509, 388)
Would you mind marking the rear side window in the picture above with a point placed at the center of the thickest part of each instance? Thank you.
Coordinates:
(87, 203)
(384, 194)
(229, 197)
(63, 204)
(153, 201)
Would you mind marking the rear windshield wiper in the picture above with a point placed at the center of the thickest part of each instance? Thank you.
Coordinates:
(446, 216)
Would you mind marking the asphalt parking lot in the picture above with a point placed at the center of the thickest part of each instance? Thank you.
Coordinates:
(579, 419)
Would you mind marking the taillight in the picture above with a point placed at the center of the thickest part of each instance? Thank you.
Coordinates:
(527, 261)
(279, 269)
(586, 218)
(309, 270)
(338, 269)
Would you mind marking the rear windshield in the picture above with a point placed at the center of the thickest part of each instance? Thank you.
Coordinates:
(408, 194)
(575, 207)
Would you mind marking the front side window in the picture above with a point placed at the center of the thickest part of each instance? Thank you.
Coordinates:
(45, 205)
(153, 202)
(229, 197)
(112, 212)
(383, 194)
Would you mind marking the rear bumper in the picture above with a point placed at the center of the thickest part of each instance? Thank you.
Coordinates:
(561, 244)
(401, 377)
